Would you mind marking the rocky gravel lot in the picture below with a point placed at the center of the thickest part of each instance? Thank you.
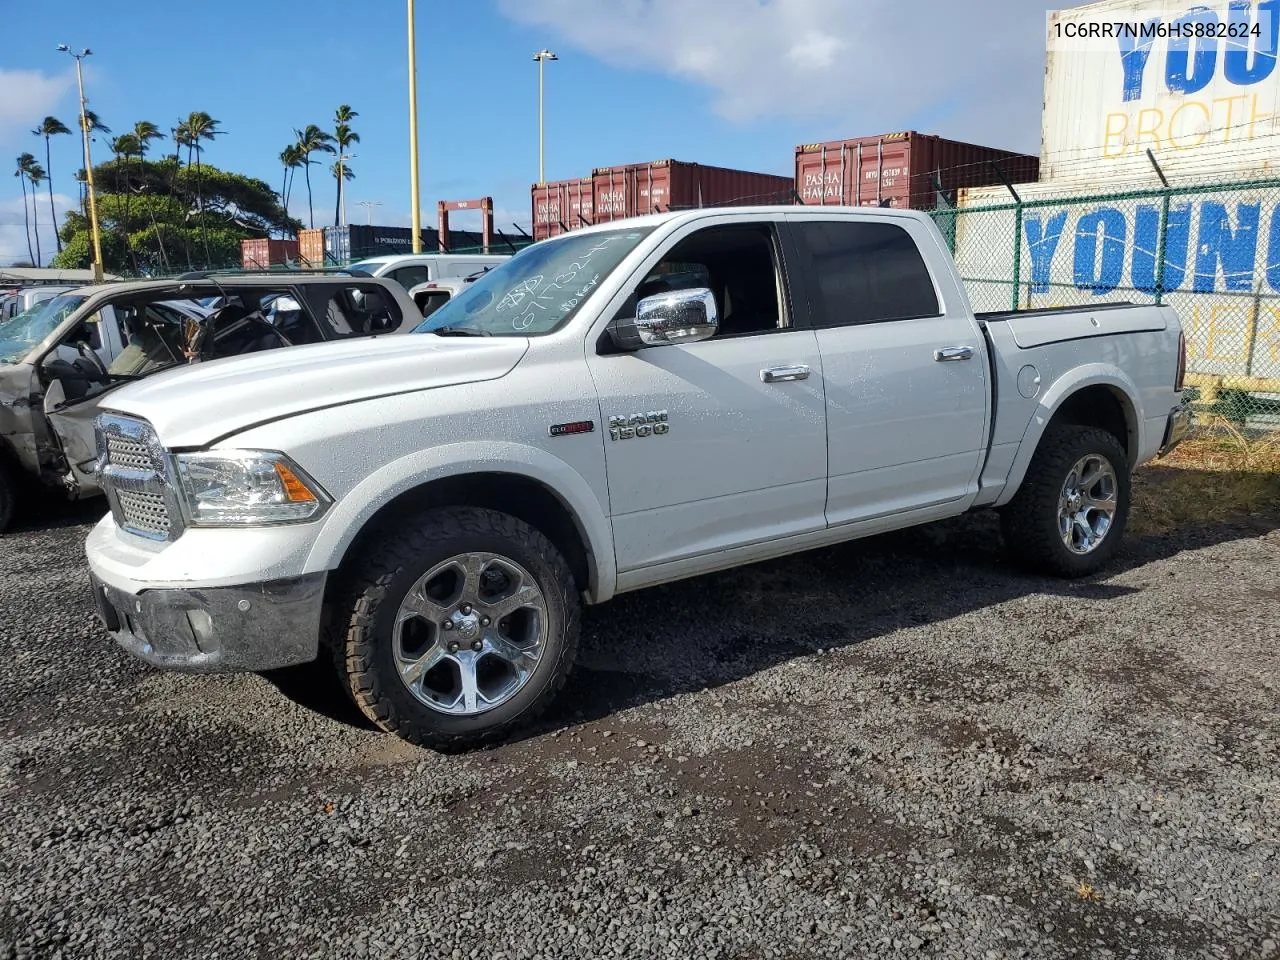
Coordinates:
(900, 747)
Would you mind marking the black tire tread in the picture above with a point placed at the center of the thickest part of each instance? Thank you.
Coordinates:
(363, 587)
(1030, 533)
(8, 493)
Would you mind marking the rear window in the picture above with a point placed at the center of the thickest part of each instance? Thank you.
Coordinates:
(866, 272)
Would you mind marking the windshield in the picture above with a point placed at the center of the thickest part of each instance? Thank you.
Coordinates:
(537, 290)
(367, 266)
(19, 334)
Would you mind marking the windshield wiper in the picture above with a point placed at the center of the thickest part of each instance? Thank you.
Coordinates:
(461, 332)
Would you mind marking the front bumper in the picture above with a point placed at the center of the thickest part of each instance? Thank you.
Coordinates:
(247, 628)
(1177, 426)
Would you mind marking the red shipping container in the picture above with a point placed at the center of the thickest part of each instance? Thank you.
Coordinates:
(261, 253)
(561, 205)
(899, 170)
(311, 247)
(633, 190)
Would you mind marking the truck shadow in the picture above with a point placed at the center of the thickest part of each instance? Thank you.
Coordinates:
(713, 630)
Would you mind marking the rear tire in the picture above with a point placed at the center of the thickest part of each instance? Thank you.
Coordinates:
(1069, 516)
(456, 627)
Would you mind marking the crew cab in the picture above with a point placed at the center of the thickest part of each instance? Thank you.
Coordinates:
(611, 409)
(59, 360)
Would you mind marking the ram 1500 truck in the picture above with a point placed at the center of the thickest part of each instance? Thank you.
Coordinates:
(611, 409)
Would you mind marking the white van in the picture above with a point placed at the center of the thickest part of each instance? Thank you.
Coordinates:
(411, 269)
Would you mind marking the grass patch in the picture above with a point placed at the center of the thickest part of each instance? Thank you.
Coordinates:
(1219, 474)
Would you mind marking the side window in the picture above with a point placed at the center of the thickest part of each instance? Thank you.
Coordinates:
(410, 277)
(286, 313)
(740, 266)
(361, 309)
(431, 301)
(865, 272)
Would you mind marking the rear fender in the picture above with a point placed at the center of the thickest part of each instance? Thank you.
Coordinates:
(1051, 401)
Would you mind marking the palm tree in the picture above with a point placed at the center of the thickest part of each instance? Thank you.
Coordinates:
(291, 159)
(200, 127)
(50, 127)
(24, 164)
(344, 136)
(124, 147)
(145, 131)
(36, 174)
(311, 140)
(95, 125)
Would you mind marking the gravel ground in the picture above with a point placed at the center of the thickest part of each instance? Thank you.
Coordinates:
(900, 747)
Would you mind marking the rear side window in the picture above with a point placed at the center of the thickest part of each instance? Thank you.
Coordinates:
(433, 301)
(865, 272)
(361, 309)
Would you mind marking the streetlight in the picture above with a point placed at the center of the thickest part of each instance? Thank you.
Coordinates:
(342, 187)
(368, 209)
(88, 162)
(414, 197)
(542, 56)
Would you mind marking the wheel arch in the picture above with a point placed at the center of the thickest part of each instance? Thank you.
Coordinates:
(524, 482)
(1096, 396)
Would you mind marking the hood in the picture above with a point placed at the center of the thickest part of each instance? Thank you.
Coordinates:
(196, 404)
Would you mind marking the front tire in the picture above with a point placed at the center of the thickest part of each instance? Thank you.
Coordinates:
(1069, 515)
(457, 627)
(8, 495)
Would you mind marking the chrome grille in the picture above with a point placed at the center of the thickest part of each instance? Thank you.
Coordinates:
(136, 476)
(128, 452)
(144, 513)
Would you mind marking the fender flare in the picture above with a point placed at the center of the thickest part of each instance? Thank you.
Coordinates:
(351, 512)
(1051, 401)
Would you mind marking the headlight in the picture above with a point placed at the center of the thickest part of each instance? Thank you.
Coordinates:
(246, 488)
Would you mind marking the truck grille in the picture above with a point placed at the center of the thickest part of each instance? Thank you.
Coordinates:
(127, 452)
(144, 513)
(137, 478)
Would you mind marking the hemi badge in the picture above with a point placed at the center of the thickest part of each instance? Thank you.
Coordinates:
(578, 426)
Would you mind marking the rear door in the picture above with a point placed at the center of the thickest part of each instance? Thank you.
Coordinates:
(904, 365)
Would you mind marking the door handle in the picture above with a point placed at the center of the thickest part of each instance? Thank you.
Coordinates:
(797, 371)
(953, 353)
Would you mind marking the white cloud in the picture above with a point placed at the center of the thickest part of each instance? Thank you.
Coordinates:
(13, 232)
(26, 98)
(972, 70)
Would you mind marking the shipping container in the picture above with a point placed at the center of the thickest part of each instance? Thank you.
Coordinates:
(261, 253)
(311, 247)
(561, 205)
(353, 242)
(633, 190)
(1204, 105)
(902, 170)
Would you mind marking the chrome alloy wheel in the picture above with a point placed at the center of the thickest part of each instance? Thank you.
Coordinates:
(1087, 504)
(469, 633)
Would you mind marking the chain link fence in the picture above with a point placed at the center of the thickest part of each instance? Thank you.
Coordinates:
(1209, 249)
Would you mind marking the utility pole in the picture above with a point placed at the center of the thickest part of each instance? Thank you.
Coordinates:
(414, 195)
(88, 162)
(542, 56)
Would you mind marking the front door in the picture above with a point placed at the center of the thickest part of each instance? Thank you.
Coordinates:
(720, 443)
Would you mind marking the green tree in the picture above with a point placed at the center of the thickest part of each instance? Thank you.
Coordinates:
(154, 200)
(36, 175)
(24, 163)
(51, 127)
(94, 125)
(344, 136)
(311, 139)
(144, 131)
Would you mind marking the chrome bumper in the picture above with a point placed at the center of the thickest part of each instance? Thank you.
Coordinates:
(257, 626)
(1176, 428)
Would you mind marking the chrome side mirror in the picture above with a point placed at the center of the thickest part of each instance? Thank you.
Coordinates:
(681, 316)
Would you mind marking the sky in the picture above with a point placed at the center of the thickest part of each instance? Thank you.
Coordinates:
(734, 83)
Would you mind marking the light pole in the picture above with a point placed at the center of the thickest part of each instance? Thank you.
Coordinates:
(368, 209)
(88, 162)
(342, 186)
(414, 197)
(542, 56)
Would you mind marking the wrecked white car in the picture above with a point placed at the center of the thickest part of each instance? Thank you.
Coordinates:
(59, 358)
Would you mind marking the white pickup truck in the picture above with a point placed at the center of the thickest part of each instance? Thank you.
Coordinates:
(614, 408)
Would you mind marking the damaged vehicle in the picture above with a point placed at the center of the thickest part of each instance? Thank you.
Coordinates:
(58, 359)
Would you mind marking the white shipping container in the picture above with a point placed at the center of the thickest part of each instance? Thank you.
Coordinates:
(1207, 104)
(1221, 264)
